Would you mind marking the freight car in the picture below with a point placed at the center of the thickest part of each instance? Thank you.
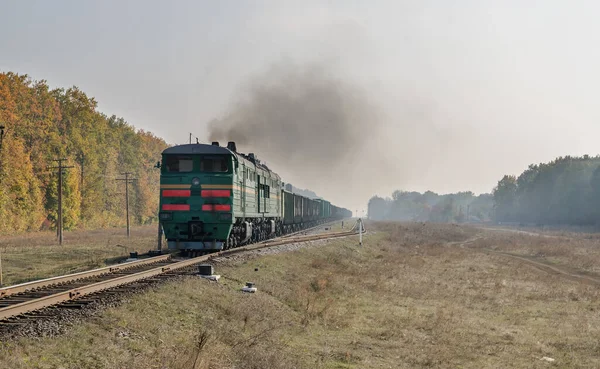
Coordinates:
(214, 198)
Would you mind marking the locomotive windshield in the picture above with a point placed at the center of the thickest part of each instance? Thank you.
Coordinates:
(196, 163)
(178, 164)
(214, 164)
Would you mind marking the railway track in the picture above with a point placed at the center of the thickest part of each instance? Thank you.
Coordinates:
(76, 290)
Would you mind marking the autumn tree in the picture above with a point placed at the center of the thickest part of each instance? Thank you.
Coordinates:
(44, 124)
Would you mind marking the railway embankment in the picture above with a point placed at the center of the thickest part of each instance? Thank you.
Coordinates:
(37, 255)
(413, 296)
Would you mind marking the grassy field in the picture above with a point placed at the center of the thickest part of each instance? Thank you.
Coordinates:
(414, 296)
(38, 255)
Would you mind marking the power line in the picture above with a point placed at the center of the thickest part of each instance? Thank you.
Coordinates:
(127, 181)
(59, 222)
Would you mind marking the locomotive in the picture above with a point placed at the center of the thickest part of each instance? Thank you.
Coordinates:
(214, 198)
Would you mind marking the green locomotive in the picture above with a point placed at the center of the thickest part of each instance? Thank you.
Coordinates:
(214, 198)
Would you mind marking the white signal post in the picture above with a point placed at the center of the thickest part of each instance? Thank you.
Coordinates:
(360, 228)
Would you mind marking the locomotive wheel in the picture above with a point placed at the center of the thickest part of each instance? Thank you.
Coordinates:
(230, 242)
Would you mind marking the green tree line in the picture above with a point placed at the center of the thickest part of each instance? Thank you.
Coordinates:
(565, 191)
(44, 124)
(431, 207)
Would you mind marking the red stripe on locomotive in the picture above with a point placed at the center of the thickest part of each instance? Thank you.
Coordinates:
(216, 207)
(177, 193)
(215, 193)
(181, 207)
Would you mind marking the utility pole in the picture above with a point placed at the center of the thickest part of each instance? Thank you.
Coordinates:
(1, 135)
(59, 221)
(1, 138)
(82, 161)
(127, 182)
(159, 236)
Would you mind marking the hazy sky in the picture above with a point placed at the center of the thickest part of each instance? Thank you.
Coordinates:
(463, 91)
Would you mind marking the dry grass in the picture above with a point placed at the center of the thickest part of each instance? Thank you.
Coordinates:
(414, 296)
(38, 255)
(573, 251)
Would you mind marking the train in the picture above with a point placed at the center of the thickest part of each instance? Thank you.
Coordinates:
(215, 198)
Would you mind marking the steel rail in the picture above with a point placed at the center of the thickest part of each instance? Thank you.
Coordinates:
(300, 239)
(76, 293)
(293, 239)
(307, 229)
(28, 286)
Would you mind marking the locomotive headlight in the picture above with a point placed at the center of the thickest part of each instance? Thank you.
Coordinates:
(196, 181)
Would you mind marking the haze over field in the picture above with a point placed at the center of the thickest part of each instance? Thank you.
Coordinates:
(384, 95)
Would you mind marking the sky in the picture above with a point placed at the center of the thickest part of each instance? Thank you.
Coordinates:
(453, 94)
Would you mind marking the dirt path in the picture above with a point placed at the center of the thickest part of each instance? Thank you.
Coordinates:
(563, 270)
(535, 234)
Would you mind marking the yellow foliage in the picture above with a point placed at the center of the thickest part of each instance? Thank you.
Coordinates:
(44, 124)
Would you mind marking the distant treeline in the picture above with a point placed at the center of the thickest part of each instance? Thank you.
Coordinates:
(43, 125)
(565, 191)
(431, 207)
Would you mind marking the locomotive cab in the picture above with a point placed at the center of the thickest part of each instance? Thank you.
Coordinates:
(196, 202)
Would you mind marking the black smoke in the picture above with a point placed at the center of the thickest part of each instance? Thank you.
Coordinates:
(306, 122)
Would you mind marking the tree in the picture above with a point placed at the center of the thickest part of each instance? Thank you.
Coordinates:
(505, 198)
(378, 208)
(564, 191)
(45, 124)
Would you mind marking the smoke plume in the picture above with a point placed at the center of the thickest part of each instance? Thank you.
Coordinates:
(304, 121)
